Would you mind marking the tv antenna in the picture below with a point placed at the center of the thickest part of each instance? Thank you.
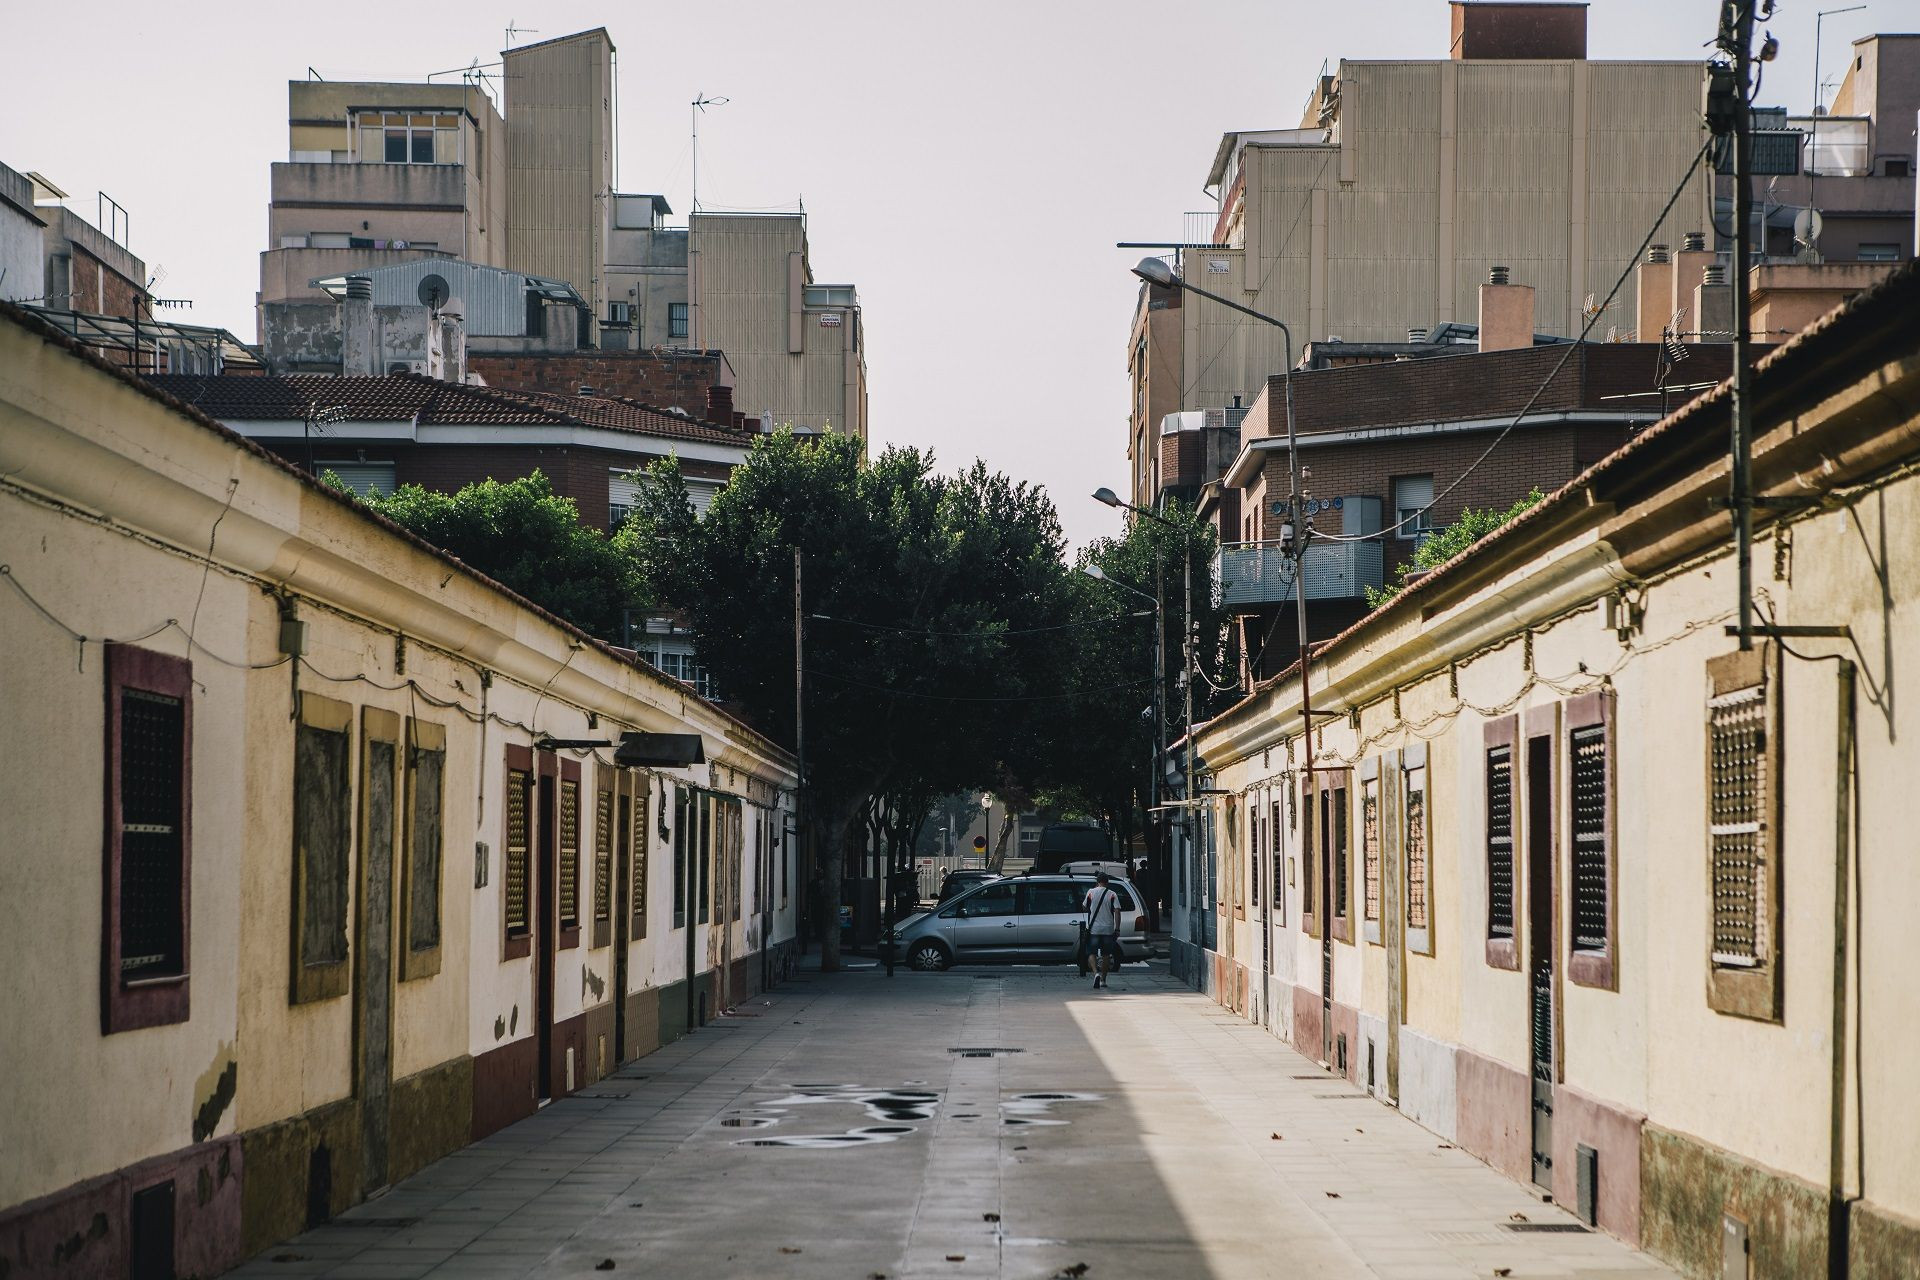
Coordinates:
(699, 106)
(513, 31)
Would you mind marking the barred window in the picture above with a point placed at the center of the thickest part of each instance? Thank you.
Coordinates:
(603, 855)
(1416, 844)
(1500, 842)
(1588, 748)
(1336, 848)
(519, 916)
(1279, 862)
(1370, 846)
(152, 740)
(568, 890)
(1739, 784)
(1253, 853)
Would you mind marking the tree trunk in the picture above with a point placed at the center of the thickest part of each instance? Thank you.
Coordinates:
(837, 827)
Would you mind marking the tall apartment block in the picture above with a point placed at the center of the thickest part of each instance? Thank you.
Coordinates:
(1403, 184)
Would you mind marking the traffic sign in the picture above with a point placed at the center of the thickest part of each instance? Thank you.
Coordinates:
(979, 844)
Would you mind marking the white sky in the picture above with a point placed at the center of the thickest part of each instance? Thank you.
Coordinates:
(969, 165)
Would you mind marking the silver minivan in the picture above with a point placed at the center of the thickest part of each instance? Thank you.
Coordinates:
(1018, 920)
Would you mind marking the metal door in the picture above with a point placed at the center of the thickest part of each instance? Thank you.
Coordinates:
(373, 986)
(545, 916)
(1540, 945)
(622, 907)
(986, 924)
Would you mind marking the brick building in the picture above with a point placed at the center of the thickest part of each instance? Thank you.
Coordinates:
(683, 379)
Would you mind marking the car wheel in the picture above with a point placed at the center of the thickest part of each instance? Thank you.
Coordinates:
(928, 956)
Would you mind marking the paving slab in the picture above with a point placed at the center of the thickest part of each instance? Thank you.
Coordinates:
(840, 1132)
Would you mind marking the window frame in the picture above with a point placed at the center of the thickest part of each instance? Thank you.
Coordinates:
(567, 873)
(1593, 967)
(1422, 526)
(1414, 759)
(1278, 860)
(605, 809)
(1311, 910)
(1751, 991)
(518, 760)
(161, 999)
(1372, 851)
(331, 979)
(639, 792)
(679, 320)
(423, 736)
(682, 841)
(1337, 845)
(1502, 951)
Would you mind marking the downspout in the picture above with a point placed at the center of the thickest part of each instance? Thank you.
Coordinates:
(1839, 1204)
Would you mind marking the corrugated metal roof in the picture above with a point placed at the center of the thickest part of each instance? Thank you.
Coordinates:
(493, 301)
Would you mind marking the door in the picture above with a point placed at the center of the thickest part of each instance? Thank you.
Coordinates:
(1541, 946)
(544, 928)
(373, 981)
(622, 907)
(1050, 916)
(986, 924)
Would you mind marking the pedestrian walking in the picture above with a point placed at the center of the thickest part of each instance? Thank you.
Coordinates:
(1103, 927)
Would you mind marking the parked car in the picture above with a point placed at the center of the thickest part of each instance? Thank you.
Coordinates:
(959, 881)
(1112, 866)
(1032, 919)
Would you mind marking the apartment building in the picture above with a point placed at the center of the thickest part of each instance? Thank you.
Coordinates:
(379, 173)
(1402, 185)
(1573, 879)
(316, 897)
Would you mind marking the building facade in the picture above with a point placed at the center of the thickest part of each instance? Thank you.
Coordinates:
(324, 900)
(1580, 883)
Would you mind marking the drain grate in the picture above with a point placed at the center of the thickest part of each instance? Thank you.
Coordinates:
(983, 1052)
(1569, 1227)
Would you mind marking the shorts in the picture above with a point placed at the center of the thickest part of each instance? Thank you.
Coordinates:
(1107, 942)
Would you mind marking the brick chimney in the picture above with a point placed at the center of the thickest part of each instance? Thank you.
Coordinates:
(1506, 313)
(719, 403)
(1524, 31)
(1689, 262)
(1653, 293)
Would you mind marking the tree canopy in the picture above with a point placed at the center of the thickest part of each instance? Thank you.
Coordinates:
(1449, 542)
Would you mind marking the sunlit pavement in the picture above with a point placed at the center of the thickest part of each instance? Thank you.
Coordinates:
(984, 1122)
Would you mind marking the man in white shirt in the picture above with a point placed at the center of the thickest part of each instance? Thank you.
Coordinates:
(1103, 927)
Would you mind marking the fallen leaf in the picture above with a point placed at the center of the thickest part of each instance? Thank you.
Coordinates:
(1276, 1137)
(289, 1257)
(1359, 1130)
(990, 1217)
(605, 1264)
(1518, 1217)
(636, 1205)
(1503, 1271)
(1333, 1195)
(1019, 1148)
(956, 1257)
(1446, 1146)
(1073, 1272)
(787, 1248)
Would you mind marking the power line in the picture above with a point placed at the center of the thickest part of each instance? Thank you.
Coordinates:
(1559, 365)
(957, 697)
(981, 632)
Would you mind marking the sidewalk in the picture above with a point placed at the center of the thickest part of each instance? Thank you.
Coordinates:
(983, 1122)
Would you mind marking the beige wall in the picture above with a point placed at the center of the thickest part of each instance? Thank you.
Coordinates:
(560, 160)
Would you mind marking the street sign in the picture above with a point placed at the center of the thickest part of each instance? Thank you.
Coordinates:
(979, 844)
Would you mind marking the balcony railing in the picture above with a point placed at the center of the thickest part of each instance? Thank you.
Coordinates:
(1248, 574)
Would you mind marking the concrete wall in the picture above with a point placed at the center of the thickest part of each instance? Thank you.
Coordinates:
(560, 160)
(253, 1100)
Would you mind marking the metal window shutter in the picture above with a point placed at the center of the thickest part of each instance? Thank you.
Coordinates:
(1590, 838)
(364, 478)
(1500, 842)
(623, 491)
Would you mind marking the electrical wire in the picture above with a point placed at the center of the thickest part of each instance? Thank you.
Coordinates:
(956, 697)
(1560, 364)
(982, 633)
(13, 579)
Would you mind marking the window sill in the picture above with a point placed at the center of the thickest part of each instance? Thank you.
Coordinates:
(1372, 930)
(1591, 969)
(152, 984)
(517, 947)
(1503, 953)
(1420, 941)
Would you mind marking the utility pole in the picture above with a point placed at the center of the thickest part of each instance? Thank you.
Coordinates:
(1742, 20)
(804, 865)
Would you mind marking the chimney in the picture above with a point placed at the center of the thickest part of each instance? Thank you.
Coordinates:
(1688, 263)
(1713, 305)
(1506, 313)
(356, 329)
(453, 345)
(1542, 32)
(1652, 293)
(719, 403)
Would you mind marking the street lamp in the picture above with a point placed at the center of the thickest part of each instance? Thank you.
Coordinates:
(1299, 533)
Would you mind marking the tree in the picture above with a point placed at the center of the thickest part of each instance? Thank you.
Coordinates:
(1449, 542)
(929, 599)
(529, 539)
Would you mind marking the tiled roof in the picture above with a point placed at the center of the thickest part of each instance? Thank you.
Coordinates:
(429, 402)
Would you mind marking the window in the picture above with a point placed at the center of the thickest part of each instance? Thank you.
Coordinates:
(1333, 847)
(1309, 867)
(1055, 899)
(996, 899)
(676, 319)
(1253, 853)
(1498, 739)
(1590, 769)
(322, 847)
(682, 847)
(603, 864)
(784, 859)
(1370, 852)
(1878, 253)
(703, 848)
(517, 844)
(1419, 874)
(736, 841)
(362, 479)
(409, 138)
(633, 827)
(1742, 764)
(1412, 498)
(149, 732)
(567, 888)
(680, 664)
(1896, 167)
(420, 892)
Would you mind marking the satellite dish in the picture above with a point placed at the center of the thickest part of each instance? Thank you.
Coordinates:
(434, 291)
(1806, 227)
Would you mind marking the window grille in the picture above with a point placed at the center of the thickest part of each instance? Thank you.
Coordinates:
(152, 735)
(1279, 862)
(682, 846)
(1253, 853)
(519, 833)
(1737, 734)
(1500, 842)
(1417, 848)
(569, 887)
(1337, 850)
(603, 856)
(1370, 846)
(637, 859)
(1589, 750)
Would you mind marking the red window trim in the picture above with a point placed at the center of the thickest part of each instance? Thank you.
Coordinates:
(153, 1002)
(1504, 953)
(511, 947)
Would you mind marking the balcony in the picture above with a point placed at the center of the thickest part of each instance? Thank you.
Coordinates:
(1247, 575)
(411, 186)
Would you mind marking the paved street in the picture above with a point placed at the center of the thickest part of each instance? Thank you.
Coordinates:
(852, 1127)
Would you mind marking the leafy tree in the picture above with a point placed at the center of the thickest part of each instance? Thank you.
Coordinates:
(1449, 542)
(528, 538)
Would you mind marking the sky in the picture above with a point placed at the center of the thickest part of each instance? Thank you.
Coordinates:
(969, 166)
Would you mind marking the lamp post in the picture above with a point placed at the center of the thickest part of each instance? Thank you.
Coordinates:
(1159, 675)
(1295, 536)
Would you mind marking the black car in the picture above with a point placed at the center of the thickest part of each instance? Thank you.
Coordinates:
(958, 882)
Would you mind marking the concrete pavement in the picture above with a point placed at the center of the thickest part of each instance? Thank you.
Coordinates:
(984, 1122)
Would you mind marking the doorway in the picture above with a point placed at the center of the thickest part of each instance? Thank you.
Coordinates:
(543, 933)
(1541, 949)
(622, 910)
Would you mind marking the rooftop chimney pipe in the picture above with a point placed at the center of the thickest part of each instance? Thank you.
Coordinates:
(1497, 276)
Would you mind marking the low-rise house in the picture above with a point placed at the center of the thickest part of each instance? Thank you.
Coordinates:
(324, 862)
(1574, 877)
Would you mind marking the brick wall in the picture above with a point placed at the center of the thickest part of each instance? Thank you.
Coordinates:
(663, 381)
(98, 288)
